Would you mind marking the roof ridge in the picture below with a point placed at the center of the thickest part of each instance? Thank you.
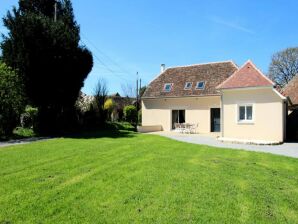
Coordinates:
(205, 63)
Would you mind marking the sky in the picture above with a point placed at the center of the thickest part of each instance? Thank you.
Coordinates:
(133, 36)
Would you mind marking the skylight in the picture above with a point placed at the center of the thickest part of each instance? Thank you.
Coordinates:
(200, 85)
(168, 87)
(188, 85)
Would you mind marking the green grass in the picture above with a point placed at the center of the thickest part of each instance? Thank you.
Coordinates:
(123, 177)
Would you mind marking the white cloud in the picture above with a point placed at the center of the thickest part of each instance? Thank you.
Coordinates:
(232, 25)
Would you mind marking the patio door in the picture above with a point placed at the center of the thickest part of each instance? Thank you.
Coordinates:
(215, 119)
(178, 116)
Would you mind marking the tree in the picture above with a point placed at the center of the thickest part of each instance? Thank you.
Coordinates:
(284, 66)
(128, 90)
(100, 97)
(83, 102)
(11, 99)
(49, 58)
(142, 90)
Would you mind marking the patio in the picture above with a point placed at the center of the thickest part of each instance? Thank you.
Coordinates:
(285, 149)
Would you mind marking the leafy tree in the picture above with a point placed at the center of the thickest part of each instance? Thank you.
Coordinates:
(284, 66)
(142, 90)
(11, 99)
(83, 102)
(130, 113)
(48, 57)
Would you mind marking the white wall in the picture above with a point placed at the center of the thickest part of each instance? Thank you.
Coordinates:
(268, 110)
(197, 110)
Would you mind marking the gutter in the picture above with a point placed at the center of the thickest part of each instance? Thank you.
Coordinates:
(173, 97)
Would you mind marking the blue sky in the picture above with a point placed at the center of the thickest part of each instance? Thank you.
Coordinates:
(138, 35)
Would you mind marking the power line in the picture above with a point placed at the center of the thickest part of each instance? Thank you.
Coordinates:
(106, 66)
(104, 54)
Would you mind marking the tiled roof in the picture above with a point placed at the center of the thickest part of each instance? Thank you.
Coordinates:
(211, 73)
(247, 76)
(291, 90)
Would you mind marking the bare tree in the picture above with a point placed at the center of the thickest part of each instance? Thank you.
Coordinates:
(100, 93)
(128, 90)
(284, 66)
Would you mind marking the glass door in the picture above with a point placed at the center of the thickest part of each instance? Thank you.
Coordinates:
(178, 116)
(215, 119)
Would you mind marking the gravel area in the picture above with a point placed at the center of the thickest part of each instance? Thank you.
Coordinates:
(22, 141)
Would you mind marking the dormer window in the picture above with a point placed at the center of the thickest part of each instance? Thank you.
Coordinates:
(188, 85)
(200, 85)
(168, 87)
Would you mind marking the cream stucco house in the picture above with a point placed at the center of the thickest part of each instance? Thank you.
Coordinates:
(238, 103)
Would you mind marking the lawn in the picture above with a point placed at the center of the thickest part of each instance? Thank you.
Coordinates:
(124, 177)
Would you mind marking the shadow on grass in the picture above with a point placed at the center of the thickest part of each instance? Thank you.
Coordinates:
(108, 130)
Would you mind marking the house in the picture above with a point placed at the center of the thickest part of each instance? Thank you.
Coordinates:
(120, 103)
(240, 104)
(84, 101)
(291, 90)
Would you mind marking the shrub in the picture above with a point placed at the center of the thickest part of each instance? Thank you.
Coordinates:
(11, 99)
(130, 113)
(20, 132)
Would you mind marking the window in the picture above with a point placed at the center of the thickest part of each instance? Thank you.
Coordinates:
(188, 85)
(200, 85)
(168, 87)
(245, 113)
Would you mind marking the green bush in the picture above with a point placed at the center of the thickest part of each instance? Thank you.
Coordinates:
(20, 132)
(130, 114)
(11, 99)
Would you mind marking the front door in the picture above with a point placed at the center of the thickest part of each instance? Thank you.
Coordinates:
(215, 119)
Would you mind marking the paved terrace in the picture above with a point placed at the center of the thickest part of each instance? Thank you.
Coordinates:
(285, 149)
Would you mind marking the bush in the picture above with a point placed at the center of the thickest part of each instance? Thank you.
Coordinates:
(20, 132)
(130, 114)
(11, 99)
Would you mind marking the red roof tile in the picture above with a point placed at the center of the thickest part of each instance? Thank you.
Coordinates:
(211, 73)
(247, 76)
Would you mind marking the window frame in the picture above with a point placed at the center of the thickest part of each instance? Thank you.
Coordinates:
(185, 86)
(164, 87)
(200, 88)
(245, 120)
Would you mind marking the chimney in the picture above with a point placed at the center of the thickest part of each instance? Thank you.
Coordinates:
(162, 68)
